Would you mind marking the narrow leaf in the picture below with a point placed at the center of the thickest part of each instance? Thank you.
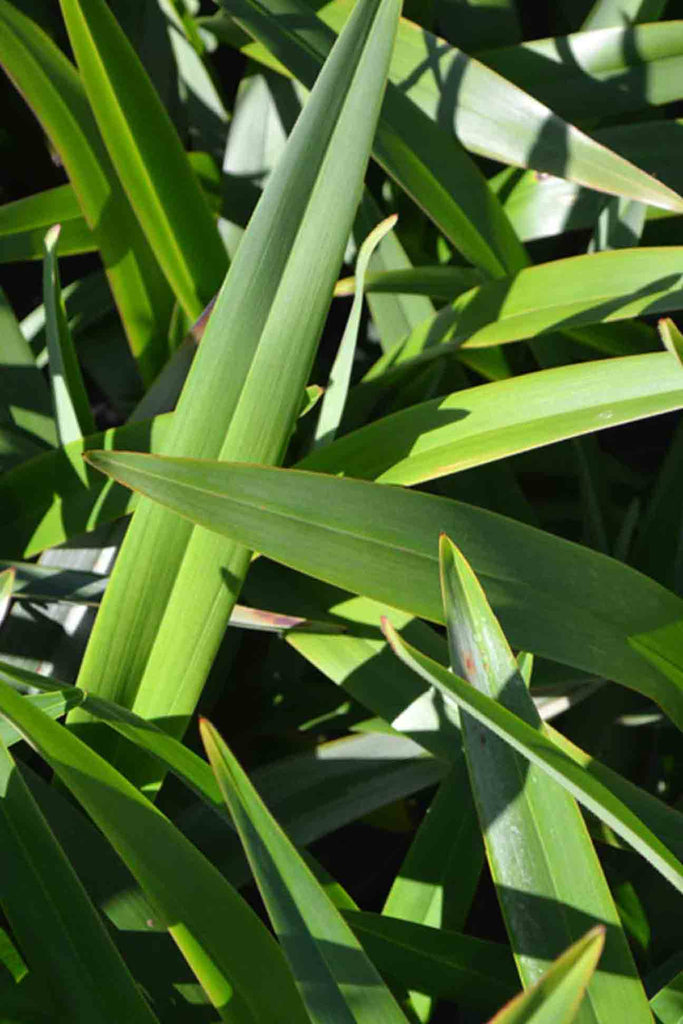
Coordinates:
(24, 397)
(7, 584)
(53, 88)
(72, 408)
(147, 154)
(530, 858)
(554, 598)
(42, 896)
(158, 663)
(220, 936)
(337, 981)
(332, 406)
(556, 996)
(564, 294)
(495, 117)
(493, 421)
(538, 749)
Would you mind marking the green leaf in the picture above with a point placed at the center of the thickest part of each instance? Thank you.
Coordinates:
(220, 936)
(438, 282)
(556, 997)
(41, 896)
(437, 880)
(599, 73)
(52, 704)
(7, 584)
(289, 257)
(493, 421)
(667, 1004)
(334, 399)
(537, 748)
(426, 161)
(72, 408)
(540, 205)
(445, 964)
(147, 154)
(563, 294)
(24, 397)
(536, 841)
(671, 337)
(24, 222)
(54, 91)
(45, 500)
(393, 316)
(494, 117)
(554, 598)
(336, 980)
(315, 793)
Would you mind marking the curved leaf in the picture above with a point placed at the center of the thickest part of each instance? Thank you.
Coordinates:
(554, 598)
(336, 979)
(494, 117)
(221, 937)
(540, 750)
(52, 87)
(481, 424)
(148, 156)
(564, 294)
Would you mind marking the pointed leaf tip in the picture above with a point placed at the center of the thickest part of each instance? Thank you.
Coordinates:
(52, 236)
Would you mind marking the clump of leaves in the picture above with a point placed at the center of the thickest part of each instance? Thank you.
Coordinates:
(437, 546)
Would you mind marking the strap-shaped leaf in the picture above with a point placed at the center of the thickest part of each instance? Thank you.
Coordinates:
(536, 840)
(41, 895)
(187, 580)
(55, 93)
(72, 409)
(491, 115)
(222, 939)
(147, 154)
(536, 747)
(492, 421)
(556, 997)
(554, 598)
(563, 294)
(426, 161)
(336, 979)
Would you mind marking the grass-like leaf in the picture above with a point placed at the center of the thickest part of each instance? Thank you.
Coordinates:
(556, 997)
(554, 598)
(536, 841)
(564, 294)
(493, 116)
(481, 424)
(54, 91)
(24, 396)
(147, 154)
(537, 748)
(289, 257)
(72, 409)
(426, 161)
(40, 894)
(332, 405)
(337, 981)
(220, 936)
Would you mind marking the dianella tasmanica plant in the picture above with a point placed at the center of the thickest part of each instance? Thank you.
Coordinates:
(341, 572)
